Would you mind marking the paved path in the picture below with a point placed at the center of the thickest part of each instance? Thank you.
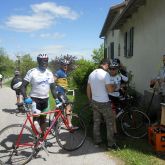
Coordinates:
(88, 154)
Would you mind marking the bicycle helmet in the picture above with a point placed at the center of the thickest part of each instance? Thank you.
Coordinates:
(64, 62)
(114, 65)
(42, 60)
(116, 60)
(17, 72)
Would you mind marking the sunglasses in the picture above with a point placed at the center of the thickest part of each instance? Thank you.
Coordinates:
(113, 68)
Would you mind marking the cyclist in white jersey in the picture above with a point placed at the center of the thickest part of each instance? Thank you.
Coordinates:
(41, 80)
(114, 96)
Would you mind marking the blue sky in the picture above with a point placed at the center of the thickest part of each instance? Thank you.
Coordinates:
(54, 27)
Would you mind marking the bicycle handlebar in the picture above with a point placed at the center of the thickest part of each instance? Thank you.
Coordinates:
(27, 108)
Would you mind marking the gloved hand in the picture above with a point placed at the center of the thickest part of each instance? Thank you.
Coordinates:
(58, 102)
(28, 100)
(60, 97)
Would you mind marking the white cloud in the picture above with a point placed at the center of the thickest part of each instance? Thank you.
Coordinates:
(52, 35)
(29, 23)
(57, 11)
(43, 16)
(51, 50)
(58, 50)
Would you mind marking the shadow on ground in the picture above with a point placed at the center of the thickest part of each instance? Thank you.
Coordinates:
(13, 111)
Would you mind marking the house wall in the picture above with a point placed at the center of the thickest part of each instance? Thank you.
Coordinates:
(149, 42)
(112, 36)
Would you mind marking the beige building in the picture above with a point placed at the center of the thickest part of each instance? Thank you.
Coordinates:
(134, 32)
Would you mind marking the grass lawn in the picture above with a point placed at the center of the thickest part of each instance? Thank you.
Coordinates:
(137, 152)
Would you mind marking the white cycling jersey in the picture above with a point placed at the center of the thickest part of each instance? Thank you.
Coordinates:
(117, 81)
(40, 82)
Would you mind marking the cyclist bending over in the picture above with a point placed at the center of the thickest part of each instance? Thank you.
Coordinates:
(41, 80)
(60, 77)
(116, 78)
(16, 84)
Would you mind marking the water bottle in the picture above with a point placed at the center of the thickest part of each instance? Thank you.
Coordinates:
(37, 126)
(58, 103)
(33, 106)
(34, 109)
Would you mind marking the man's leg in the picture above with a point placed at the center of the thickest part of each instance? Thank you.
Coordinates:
(108, 117)
(97, 121)
(43, 123)
(68, 111)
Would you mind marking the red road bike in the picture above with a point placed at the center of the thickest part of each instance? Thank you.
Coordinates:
(19, 143)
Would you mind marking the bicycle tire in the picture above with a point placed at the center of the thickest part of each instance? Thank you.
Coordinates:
(11, 155)
(71, 139)
(135, 123)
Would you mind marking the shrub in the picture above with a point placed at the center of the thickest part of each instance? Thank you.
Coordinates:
(81, 73)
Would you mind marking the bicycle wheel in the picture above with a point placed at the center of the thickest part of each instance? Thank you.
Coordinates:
(9, 153)
(135, 123)
(71, 139)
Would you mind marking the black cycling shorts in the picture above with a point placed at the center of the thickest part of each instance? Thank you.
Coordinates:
(41, 104)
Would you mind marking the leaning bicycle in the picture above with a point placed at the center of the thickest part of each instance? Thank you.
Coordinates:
(134, 122)
(19, 143)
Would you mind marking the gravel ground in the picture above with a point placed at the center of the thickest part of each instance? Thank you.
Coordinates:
(88, 154)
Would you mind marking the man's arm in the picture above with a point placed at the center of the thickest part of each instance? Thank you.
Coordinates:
(89, 93)
(110, 87)
(55, 78)
(23, 88)
(53, 91)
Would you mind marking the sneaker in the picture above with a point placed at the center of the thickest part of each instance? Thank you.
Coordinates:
(48, 144)
(116, 135)
(97, 144)
(73, 127)
(113, 147)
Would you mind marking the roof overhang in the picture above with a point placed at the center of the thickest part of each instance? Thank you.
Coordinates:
(113, 11)
(115, 19)
(127, 12)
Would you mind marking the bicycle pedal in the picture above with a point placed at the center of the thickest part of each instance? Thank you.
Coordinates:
(48, 144)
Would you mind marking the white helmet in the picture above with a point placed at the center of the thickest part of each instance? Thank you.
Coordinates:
(114, 64)
(64, 62)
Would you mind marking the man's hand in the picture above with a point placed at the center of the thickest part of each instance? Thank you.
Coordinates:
(28, 100)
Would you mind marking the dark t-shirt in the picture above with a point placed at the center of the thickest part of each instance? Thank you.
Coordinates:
(15, 80)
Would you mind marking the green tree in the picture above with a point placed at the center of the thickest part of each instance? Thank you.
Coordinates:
(26, 63)
(6, 64)
(98, 54)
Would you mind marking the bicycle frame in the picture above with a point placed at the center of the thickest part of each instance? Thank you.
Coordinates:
(58, 113)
